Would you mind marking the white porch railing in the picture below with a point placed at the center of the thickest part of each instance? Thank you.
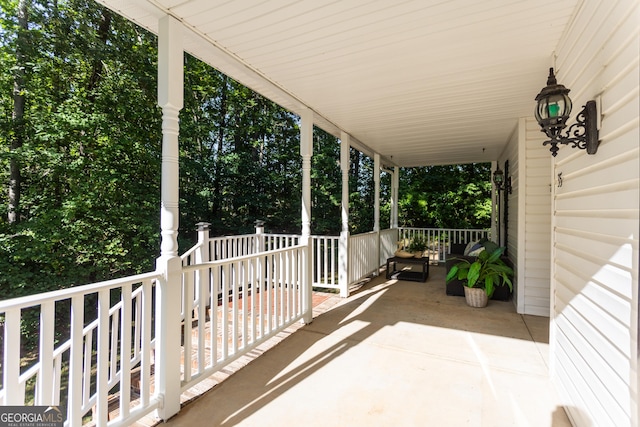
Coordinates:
(251, 298)
(324, 255)
(363, 256)
(325, 261)
(440, 239)
(237, 291)
(388, 244)
(108, 349)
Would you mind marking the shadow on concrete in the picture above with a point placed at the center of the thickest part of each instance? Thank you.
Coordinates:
(391, 352)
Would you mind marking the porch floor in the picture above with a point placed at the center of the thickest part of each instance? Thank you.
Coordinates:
(394, 353)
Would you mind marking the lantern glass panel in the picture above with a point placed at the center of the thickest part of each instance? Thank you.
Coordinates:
(553, 108)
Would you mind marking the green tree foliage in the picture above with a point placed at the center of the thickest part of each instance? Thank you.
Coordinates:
(326, 181)
(90, 156)
(82, 139)
(454, 196)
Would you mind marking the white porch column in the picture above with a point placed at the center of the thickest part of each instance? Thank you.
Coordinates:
(395, 188)
(170, 98)
(306, 151)
(376, 186)
(343, 249)
(495, 225)
(376, 204)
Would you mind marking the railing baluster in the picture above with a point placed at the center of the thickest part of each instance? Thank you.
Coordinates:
(125, 353)
(137, 323)
(187, 322)
(245, 304)
(145, 348)
(234, 305)
(252, 296)
(44, 385)
(225, 311)
(295, 265)
(57, 378)
(269, 269)
(322, 255)
(102, 378)
(86, 369)
(215, 296)
(115, 336)
(293, 284)
(261, 277)
(74, 405)
(290, 285)
(280, 286)
(202, 286)
(11, 362)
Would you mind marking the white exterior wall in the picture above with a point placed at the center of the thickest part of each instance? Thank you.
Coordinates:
(594, 270)
(534, 221)
(529, 219)
(511, 154)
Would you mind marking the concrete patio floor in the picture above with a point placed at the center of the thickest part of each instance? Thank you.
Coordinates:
(395, 353)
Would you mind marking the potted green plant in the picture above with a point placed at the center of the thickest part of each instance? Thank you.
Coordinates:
(481, 276)
(418, 245)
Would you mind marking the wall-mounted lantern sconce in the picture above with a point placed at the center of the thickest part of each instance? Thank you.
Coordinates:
(552, 112)
(500, 182)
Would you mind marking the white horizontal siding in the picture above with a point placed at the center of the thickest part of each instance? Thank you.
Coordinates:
(535, 218)
(511, 203)
(596, 222)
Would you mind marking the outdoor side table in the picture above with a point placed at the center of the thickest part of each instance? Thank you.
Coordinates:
(394, 273)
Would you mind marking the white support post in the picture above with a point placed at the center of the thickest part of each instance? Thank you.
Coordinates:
(343, 250)
(306, 151)
(495, 231)
(260, 244)
(376, 204)
(203, 255)
(376, 192)
(170, 98)
(395, 189)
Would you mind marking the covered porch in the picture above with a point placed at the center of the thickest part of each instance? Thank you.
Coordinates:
(394, 353)
(407, 84)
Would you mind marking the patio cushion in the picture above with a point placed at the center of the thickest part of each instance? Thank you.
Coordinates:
(458, 248)
(473, 249)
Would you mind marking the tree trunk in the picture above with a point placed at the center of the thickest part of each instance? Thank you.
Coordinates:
(103, 36)
(217, 177)
(15, 178)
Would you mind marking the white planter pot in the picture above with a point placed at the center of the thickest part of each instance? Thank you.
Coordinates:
(476, 297)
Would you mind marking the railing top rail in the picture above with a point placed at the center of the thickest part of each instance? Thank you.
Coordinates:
(37, 299)
(220, 262)
(232, 236)
(444, 229)
(363, 234)
(190, 251)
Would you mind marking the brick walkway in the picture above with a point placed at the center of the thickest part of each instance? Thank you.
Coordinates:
(322, 302)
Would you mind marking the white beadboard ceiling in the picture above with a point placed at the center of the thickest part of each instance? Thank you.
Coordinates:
(421, 82)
